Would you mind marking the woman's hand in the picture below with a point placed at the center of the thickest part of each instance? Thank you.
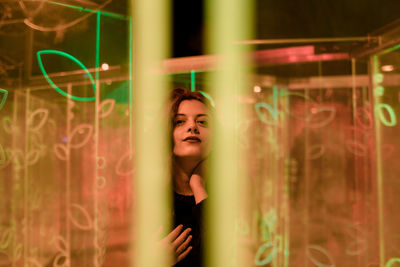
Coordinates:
(197, 181)
(177, 243)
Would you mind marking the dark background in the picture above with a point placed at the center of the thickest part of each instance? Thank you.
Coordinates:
(273, 19)
(288, 19)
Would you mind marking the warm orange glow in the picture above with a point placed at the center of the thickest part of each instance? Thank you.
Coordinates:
(105, 66)
(387, 68)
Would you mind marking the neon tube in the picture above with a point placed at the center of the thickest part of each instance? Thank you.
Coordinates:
(75, 60)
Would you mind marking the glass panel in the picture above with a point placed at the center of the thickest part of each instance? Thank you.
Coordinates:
(318, 142)
(386, 94)
(65, 170)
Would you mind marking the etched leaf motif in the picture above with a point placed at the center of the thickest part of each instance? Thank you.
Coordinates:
(356, 148)
(59, 243)
(265, 253)
(125, 164)
(40, 116)
(106, 107)
(74, 60)
(80, 217)
(5, 238)
(321, 116)
(81, 135)
(32, 157)
(319, 256)
(364, 118)
(60, 151)
(8, 125)
(263, 117)
(315, 151)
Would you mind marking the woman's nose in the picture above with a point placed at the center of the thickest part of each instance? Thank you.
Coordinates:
(193, 128)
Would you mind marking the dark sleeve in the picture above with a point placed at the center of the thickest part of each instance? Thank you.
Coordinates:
(198, 210)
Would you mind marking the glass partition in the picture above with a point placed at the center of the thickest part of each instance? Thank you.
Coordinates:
(384, 65)
(66, 166)
(318, 143)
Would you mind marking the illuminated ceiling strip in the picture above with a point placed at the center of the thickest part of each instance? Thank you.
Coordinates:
(308, 40)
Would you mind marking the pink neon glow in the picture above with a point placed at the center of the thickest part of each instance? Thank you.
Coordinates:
(387, 68)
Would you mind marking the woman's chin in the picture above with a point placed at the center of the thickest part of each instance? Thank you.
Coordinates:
(193, 156)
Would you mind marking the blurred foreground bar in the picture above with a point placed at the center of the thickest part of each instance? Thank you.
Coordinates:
(228, 22)
(150, 46)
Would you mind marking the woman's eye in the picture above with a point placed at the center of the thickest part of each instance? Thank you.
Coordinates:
(179, 122)
(203, 122)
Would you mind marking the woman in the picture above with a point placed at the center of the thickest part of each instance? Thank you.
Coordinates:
(190, 119)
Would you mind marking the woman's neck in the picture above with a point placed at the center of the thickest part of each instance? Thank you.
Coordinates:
(182, 170)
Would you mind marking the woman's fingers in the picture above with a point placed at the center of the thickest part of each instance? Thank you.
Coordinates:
(184, 254)
(182, 238)
(178, 242)
(174, 234)
(183, 246)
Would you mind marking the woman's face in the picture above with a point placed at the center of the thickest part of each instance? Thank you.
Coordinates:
(191, 132)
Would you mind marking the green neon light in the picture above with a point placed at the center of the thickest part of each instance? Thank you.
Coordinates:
(379, 91)
(208, 97)
(56, 52)
(378, 78)
(392, 261)
(379, 110)
(3, 100)
(192, 80)
(389, 50)
(272, 109)
(97, 46)
(81, 9)
(262, 117)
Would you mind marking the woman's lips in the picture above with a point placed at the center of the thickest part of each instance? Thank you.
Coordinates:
(192, 139)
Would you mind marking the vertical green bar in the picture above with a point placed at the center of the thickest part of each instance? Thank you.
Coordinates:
(98, 14)
(151, 183)
(228, 21)
(192, 80)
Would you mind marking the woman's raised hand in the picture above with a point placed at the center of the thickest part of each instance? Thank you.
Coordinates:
(197, 181)
(177, 243)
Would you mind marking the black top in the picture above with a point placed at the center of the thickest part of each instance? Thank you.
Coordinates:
(187, 213)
